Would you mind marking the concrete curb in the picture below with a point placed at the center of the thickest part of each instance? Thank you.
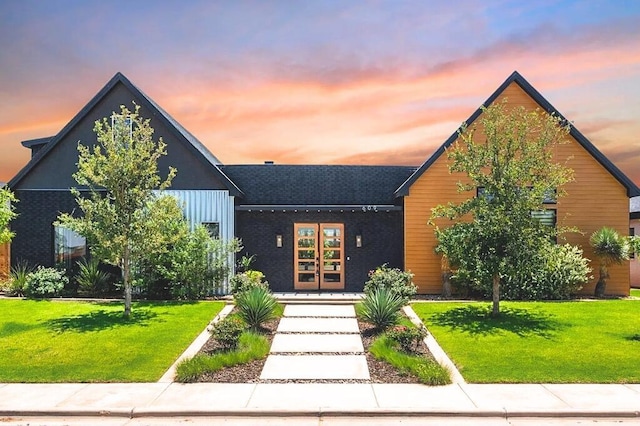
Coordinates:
(170, 375)
(321, 412)
(438, 353)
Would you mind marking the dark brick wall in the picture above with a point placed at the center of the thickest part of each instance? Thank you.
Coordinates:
(37, 210)
(381, 232)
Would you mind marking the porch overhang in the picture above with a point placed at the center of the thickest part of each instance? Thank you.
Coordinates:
(310, 208)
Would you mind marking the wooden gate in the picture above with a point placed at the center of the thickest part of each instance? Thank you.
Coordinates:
(4, 261)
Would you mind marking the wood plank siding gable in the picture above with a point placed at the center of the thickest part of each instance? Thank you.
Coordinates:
(599, 196)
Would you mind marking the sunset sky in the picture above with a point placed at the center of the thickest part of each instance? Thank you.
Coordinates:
(321, 82)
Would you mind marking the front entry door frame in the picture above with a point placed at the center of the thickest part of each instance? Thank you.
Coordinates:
(318, 256)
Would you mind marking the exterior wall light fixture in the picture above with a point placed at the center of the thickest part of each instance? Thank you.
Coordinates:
(358, 240)
(279, 240)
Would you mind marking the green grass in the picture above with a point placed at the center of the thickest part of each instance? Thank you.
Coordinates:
(60, 341)
(540, 342)
(252, 346)
(635, 292)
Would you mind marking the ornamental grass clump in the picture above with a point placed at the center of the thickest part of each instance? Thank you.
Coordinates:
(18, 278)
(90, 277)
(256, 306)
(381, 307)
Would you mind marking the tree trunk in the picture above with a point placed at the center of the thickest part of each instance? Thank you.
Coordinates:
(496, 295)
(602, 281)
(127, 284)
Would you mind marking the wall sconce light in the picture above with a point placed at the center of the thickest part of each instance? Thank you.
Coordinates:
(358, 240)
(278, 240)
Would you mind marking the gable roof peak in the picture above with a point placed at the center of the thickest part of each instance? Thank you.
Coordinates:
(516, 77)
(176, 128)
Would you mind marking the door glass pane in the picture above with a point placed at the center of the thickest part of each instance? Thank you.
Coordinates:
(306, 242)
(332, 277)
(306, 277)
(306, 232)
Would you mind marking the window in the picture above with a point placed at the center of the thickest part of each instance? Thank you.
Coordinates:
(546, 217)
(68, 246)
(213, 228)
(480, 192)
(632, 233)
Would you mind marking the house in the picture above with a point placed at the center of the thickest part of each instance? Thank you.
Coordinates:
(634, 229)
(310, 227)
(595, 178)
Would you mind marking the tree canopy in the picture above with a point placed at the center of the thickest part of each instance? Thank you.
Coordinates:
(507, 159)
(122, 219)
(7, 213)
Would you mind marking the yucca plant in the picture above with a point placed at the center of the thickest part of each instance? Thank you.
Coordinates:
(381, 307)
(18, 278)
(256, 306)
(610, 248)
(90, 277)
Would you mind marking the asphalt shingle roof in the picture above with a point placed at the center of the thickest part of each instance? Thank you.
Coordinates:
(274, 184)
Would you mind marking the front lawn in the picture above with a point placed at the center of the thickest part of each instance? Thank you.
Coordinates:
(539, 342)
(60, 341)
(635, 292)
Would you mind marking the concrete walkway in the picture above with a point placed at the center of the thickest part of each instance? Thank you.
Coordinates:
(317, 343)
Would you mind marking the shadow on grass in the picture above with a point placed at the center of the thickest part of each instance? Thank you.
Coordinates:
(478, 320)
(10, 328)
(634, 337)
(101, 320)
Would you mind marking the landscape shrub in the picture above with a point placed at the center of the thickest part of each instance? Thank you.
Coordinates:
(227, 332)
(256, 306)
(18, 278)
(408, 338)
(541, 270)
(91, 278)
(45, 282)
(381, 307)
(399, 282)
(247, 280)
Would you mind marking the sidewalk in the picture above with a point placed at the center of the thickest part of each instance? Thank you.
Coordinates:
(316, 342)
(136, 400)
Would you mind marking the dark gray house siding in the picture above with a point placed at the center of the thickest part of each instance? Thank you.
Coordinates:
(359, 197)
(43, 185)
(382, 242)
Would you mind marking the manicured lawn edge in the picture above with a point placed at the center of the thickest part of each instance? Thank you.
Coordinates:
(438, 353)
(170, 375)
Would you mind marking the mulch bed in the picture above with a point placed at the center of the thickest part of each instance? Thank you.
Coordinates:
(379, 371)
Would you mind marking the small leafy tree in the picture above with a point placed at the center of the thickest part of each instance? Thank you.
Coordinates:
(122, 217)
(610, 248)
(7, 213)
(507, 157)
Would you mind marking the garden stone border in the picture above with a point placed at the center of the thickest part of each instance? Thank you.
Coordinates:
(435, 349)
(170, 375)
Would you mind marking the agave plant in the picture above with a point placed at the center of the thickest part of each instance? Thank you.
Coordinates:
(381, 307)
(610, 248)
(18, 278)
(90, 277)
(256, 306)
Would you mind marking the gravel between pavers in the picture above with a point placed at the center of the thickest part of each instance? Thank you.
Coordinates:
(379, 371)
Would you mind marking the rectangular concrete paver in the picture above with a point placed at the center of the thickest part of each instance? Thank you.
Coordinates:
(318, 325)
(319, 311)
(315, 367)
(299, 396)
(316, 343)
